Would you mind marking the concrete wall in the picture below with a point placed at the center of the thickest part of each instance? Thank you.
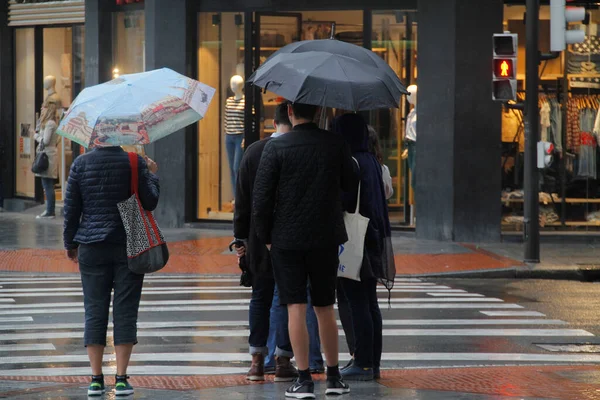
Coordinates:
(458, 145)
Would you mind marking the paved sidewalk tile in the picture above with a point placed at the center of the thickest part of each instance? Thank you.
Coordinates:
(539, 382)
(29, 245)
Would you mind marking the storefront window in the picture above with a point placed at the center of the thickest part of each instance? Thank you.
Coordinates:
(221, 57)
(569, 190)
(62, 59)
(25, 110)
(394, 39)
(129, 42)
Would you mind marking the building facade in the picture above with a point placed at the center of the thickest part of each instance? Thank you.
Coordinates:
(442, 46)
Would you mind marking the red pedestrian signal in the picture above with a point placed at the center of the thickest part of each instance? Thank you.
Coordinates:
(504, 68)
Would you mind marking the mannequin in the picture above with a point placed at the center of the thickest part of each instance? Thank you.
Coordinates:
(50, 87)
(410, 136)
(234, 126)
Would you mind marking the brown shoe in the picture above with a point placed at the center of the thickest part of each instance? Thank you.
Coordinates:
(257, 370)
(284, 370)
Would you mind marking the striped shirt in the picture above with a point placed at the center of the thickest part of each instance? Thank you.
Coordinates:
(234, 116)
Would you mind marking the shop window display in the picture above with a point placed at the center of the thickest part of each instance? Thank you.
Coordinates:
(62, 79)
(570, 127)
(129, 49)
(221, 64)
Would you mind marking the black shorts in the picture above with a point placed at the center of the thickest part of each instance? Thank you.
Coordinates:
(294, 269)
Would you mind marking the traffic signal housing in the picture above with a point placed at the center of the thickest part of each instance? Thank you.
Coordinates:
(560, 17)
(504, 68)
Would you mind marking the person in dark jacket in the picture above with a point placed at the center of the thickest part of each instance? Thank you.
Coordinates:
(297, 208)
(361, 296)
(259, 262)
(95, 237)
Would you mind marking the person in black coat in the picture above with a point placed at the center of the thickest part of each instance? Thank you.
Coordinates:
(94, 236)
(365, 326)
(297, 208)
(259, 261)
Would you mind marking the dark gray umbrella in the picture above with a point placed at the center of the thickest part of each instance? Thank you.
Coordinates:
(329, 80)
(333, 46)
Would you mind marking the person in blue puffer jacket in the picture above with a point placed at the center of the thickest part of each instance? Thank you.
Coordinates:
(94, 237)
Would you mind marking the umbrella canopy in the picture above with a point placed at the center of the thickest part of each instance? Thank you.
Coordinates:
(333, 46)
(329, 80)
(135, 109)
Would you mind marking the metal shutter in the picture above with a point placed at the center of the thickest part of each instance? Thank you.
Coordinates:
(46, 13)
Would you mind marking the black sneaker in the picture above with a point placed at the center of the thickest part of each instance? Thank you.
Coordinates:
(97, 387)
(301, 390)
(336, 385)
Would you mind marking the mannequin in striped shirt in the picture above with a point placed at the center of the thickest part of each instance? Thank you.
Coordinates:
(234, 127)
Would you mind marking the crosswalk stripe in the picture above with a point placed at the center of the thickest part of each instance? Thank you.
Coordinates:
(245, 333)
(247, 301)
(63, 280)
(111, 369)
(244, 324)
(423, 306)
(244, 357)
(15, 319)
(26, 347)
(513, 313)
(436, 294)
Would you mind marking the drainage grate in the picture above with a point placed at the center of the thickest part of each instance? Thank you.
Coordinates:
(571, 348)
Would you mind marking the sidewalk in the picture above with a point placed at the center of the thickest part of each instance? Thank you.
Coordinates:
(497, 383)
(30, 245)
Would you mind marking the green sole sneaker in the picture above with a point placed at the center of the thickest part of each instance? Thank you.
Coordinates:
(96, 389)
(123, 388)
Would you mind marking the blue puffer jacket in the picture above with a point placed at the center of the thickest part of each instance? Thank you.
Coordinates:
(98, 181)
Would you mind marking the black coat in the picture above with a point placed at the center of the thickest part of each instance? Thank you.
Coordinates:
(373, 204)
(257, 255)
(297, 194)
(98, 181)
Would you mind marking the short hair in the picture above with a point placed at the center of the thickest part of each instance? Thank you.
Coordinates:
(304, 111)
(281, 114)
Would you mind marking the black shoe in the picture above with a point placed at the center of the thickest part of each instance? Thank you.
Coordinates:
(336, 385)
(301, 390)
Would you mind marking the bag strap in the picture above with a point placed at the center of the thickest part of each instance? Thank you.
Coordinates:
(133, 162)
(358, 194)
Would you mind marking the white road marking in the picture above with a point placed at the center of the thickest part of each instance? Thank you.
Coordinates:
(244, 301)
(79, 310)
(244, 324)
(152, 370)
(245, 332)
(15, 319)
(442, 294)
(245, 358)
(513, 313)
(26, 347)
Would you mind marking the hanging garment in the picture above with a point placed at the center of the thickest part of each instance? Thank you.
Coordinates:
(587, 156)
(545, 121)
(573, 125)
(556, 124)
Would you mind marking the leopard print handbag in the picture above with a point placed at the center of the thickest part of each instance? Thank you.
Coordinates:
(147, 250)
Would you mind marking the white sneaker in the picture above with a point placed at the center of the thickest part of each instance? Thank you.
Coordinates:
(45, 215)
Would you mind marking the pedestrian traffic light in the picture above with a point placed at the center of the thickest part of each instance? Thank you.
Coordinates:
(560, 17)
(504, 68)
(545, 150)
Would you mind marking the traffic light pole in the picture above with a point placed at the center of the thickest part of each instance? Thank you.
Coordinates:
(531, 229)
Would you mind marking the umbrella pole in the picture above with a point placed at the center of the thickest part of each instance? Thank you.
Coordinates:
(332, 31)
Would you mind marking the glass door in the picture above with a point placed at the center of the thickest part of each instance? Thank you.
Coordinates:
(271, 32)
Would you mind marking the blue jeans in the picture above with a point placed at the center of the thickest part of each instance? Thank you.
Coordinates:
(233, 144)
(103, 267)
(262, 320)
(48, 185)
(315, 357)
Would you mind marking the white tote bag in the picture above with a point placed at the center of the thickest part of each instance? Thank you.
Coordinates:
(352, 252)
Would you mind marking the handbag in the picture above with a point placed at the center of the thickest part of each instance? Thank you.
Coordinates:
(41, 162)
(351, 253)
(147, 250)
